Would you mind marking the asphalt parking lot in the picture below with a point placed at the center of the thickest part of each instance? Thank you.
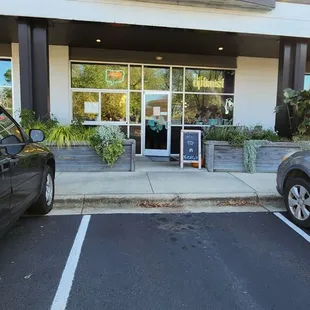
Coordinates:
(159, 261)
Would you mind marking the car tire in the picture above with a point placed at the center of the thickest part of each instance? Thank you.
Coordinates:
(297, 201)
(44, 203)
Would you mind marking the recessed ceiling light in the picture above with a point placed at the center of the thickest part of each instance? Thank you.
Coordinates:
(221, 48)
(98, 40)
(159, 58)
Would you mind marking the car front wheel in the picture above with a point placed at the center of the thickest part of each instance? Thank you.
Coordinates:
(44, 203)
(297, 201)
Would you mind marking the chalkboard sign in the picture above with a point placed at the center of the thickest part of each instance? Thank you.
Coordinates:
(190, 147)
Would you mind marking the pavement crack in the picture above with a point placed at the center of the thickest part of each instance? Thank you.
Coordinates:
(254, 190)
(83, 204)
(148, 177)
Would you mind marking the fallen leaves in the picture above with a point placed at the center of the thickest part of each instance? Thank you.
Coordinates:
(158, 204)
(237, 202)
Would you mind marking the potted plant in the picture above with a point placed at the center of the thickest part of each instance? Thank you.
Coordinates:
(117, 153)
(244, 149)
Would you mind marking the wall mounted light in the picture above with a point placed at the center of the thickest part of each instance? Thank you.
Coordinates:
(98, 40)
(221, 48)
(159, 58)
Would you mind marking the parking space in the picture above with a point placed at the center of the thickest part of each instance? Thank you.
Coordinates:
(162, 261)
(32, 257)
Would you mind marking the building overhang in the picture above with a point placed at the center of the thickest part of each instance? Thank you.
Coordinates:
(233, 4)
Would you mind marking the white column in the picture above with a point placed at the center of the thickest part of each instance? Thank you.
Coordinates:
(16, 80)
(256, 91)
(60, 101)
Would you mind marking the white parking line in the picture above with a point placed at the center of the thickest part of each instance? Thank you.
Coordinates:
(293, 226)
(65, 284)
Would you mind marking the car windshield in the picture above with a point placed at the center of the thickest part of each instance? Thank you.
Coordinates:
(8, 127)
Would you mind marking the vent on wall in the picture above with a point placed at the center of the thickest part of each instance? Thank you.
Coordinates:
(241, 4)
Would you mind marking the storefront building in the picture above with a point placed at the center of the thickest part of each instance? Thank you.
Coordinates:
(154, 78)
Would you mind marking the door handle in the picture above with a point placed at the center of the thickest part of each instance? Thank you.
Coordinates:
(167, 125)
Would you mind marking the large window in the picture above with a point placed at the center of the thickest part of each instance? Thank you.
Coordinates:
(114, 93)
(156, 78)
(110, 93)
(99, 76)
(113, 107)
(208, 109)
(6, 85)
(209, 97)
(209, 81)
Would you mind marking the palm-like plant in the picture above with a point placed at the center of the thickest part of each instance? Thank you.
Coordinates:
(297, 104)
(63, 136)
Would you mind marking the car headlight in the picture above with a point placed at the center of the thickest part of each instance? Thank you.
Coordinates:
(287, 156)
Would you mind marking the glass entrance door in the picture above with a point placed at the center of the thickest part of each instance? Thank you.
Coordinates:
(157, 124)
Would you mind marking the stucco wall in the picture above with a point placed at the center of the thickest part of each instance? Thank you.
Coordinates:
(255, 91)
(287, 19)
(60, 103)
(16, 79)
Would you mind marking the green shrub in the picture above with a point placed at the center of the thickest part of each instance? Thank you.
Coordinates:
(29, 121)
(112, 152)
(236, 136)
(107, 141)
(258, 133)
(63, 136)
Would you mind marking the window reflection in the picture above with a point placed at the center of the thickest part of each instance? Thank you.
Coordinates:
(135, 108)
(8, 128)
(6, 85)
(113, 107)
(177, 79)
(85, 106)
(6, 99)
(135, 77)
(5, 72)
(156, 78)
(99, 76)
(177, 109)
(208, 109)
(209, 81)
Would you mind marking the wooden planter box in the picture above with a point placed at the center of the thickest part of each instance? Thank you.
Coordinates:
(220, 156)
(269, 157)
(80, 157)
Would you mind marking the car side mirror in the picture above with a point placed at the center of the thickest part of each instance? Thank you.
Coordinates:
(12, 145)
(36, 135)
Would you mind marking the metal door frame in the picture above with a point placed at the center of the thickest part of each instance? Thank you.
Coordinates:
(143, 131)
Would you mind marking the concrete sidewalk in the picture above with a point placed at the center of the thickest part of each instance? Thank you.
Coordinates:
(189, 184)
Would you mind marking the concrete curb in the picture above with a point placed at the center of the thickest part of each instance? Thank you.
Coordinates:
(130, 200)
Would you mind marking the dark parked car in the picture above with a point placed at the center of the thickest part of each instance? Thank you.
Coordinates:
(293, 183)
(27, 172)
